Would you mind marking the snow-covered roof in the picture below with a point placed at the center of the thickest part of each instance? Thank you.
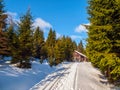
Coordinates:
(80, 53)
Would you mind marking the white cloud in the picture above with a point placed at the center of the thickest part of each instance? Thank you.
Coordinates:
(74, 37)
(42, 24)
(12, 14)
(58, 35)
(81, 28)
(39, 22)
(12, 17)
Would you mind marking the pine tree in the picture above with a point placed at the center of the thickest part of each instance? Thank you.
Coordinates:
(10, 33)
(69, 48)
(13, 44)
(74, 45)
(80, 47)
(50, 44)
(59, 51)
(51, 40)
(103, 36)
(39, 44)
(64, 48)
(4, 48)
(25, 40)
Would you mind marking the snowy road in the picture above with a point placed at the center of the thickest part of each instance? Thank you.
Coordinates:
(89, 78)
(74, 76)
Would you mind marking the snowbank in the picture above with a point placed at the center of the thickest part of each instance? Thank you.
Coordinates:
(62, 79)
(74, 76)
(65, 76)
(13, 78)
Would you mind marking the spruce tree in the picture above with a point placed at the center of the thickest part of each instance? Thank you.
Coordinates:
(39, 44)
(69, 48)
(103, 36)
(74, 45)
(59, 51)
(13, 43)
(25, 39)
(10, 33)
(64, 49)
(80, 47)
(50, 44)
(51, 40)
(4, 48)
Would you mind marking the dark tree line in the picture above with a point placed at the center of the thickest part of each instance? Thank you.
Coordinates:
(103, 48)
(23, 42)
(4, 48)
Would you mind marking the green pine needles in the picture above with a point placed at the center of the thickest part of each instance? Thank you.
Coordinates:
(103, 48)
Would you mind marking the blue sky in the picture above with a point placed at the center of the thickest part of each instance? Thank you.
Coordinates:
(64, 16)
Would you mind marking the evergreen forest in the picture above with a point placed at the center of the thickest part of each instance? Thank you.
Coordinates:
(24, 42)
(103, 43)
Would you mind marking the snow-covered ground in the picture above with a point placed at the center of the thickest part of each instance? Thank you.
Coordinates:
(62, 79)
(13, 78)
(65, 76)
(89, 78)
(75, 76)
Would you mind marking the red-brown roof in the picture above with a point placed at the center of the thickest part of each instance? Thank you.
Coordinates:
(80, 53)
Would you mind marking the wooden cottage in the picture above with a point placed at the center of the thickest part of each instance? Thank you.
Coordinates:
(79, 57)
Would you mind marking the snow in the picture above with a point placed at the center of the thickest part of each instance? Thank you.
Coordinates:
(65, 76)
(62, 79)
(13, 78)
(90, 78)
(74, 76)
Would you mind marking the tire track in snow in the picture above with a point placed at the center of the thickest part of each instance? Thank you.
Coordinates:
(75, 80)
(54, 80)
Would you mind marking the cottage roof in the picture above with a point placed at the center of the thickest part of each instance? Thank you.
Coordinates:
(80, 53)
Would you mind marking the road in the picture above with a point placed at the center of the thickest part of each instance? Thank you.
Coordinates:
(74, 76)
(89, 78)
